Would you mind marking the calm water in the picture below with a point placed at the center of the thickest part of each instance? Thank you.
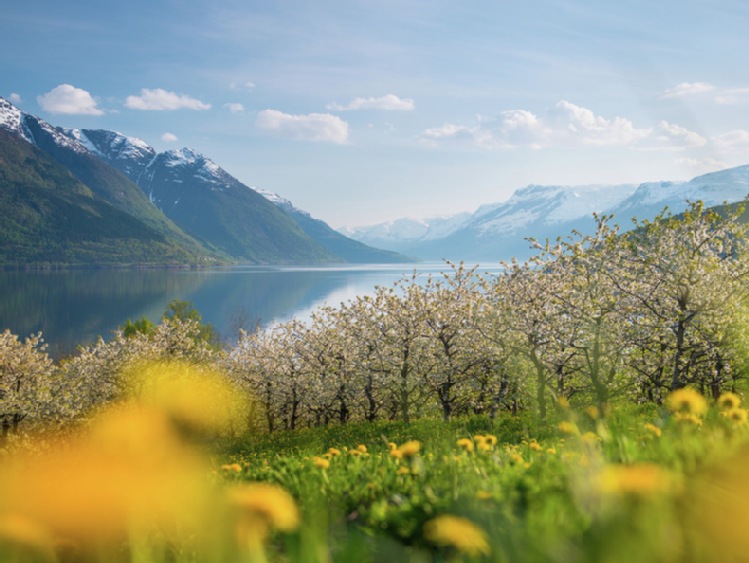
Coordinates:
(75, 307)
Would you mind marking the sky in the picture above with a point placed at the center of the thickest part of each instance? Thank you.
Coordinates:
(361, 112)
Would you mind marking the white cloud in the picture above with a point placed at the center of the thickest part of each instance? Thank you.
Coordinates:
(679, 136)
(14, 98)
(247, 85)
(687, 89)
(310, 127)
(160, 99)
(68, 99)
(169, 137)
(733, 96)
(737, 139)
(389, 102)
(701, 165)
(235, 107)
(565, 124)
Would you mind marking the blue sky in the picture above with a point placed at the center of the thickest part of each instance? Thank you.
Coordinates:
(364, 111)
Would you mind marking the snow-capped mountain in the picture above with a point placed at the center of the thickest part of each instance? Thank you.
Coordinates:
(499, 231)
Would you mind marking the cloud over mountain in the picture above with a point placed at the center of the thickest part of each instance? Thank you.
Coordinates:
(161, 100)
(67, 99)
(308, 127)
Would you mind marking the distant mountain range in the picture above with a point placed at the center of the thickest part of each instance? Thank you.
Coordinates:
(499, 231)
(94, 197)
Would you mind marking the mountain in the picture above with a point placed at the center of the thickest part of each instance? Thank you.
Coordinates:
(352, 251)
(499, 231)
(223, 213)
(53, 216)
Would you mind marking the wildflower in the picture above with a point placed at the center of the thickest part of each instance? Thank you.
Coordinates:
(551, 451)
(231, 468)
(403, 470)
(688, 419)
(729, 401)
(321, 462)
(491, 439)
(462, 534)
(640, 479)
(563, 402)
(392, 446)
(333, 452)
(567, 427)
(483, 446)
(590, 438)
(593, 412)
(466, 444)
(687, 401)
(396, 453)
(653, 429)
(535, 446)
(737, 416)
(410, 448)
(361, 448)
(261, 507)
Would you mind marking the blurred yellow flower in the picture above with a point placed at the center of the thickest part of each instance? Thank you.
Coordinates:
(232, 468)
(466, 444)
(491, 439)
(653, 429)
(333, 452)
(736, 415)
(361, 448)
(410, 448)
(535, 446)
(18, 530)
(729, 401)
(687, 401)
(259, 508)
(567, 427)
(459, 533)
(593, 412)
(321, 462)
(639, 479)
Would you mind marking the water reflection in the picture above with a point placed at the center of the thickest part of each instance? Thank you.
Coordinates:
(75, 307)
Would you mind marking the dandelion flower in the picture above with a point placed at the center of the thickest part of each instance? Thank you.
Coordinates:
(534, 445)
(639, 479)
(333, 452)
(653, 429)
(491, 439)
(261, 507)
(321, 462)
(729, 401)
(361, 448)
(410, 448)
(687, 401)
(466, 444)
(462, 534)
(567, 427)
(737, 416)
(593, 412)
(232, 468)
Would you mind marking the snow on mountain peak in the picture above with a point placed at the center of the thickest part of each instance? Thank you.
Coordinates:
(10, 117)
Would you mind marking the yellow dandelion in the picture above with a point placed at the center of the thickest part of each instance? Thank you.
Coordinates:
(516, 459)
(491, 439)
(729, 401)
(593, 412)
(590, 438)
(567, 427)
(653, 429)
(466, 444)
(563, 402)
(261, 507)
(321, 462)
(459, 533)
(688, 419)
(410, 448)
(483, 447)
(231, 468)
(361, 448)
(737, 416)
(396, 453)
(535, 446)
(551, 451)
(392, 446)
(333, 452)
(639, 479)
(403, 470)
(687, 401)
